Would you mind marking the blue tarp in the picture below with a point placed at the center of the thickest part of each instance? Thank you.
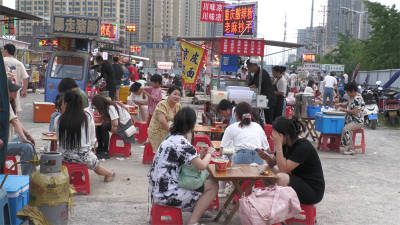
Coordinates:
(392, 80)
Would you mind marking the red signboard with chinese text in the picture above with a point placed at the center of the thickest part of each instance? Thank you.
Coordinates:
(65, 44)
(237, 46)
(135, 49)
(109, 30)
(48, 43)
(212, 11)
(308, 58)
(237, 18)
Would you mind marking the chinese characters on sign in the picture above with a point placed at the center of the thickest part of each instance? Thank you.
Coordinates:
(165, 65)
(9, 26)
(192, 60)
(131, 28)
(48, 43)
(237, 18)
(236, 46)
(109, 31)
(212, 11)
(77, 25)
(308, 57)
(65, 44)
(135, 48)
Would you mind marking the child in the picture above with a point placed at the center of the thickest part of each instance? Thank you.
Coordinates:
(68, 84)
(59, 100)
(154, 94)
(137, 97)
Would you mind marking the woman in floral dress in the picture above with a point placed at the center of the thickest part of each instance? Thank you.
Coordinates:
(354, 119)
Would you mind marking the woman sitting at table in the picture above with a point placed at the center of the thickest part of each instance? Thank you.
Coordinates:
(114, 121)
(298, 163)
(227, 108)
(354, 119)
(76, 139)
(140, 99)
(164, 116)
(172, 154)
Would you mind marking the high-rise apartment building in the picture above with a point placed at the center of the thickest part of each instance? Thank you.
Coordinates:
(344, 21)
(132, 13)
(107, 10)
(302, 35)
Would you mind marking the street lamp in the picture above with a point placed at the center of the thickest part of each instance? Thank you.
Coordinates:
(359, 23)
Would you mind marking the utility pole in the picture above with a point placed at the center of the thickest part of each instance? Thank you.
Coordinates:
(323, 36)
(311, 28)
(284, 39)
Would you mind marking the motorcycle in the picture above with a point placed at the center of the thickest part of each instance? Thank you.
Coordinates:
(371, 110)
(391, 106)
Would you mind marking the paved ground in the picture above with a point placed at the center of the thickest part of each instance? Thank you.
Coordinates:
(360, 189)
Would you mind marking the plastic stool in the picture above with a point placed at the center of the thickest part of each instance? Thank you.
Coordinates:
(268, 130)
(202, 138)
(334, 142)
(5, 217)
(271, 145)
(148, 154)
(114, 149)
(362, 146)
(258, 184)
(215, 202)
(142, 135)
(289, 111)
(310, 211)
(78, 183)
(198, 149)
(14, 171)
(157, 211)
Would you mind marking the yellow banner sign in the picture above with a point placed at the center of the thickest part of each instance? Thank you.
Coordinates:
(35, 76)
(192, 60)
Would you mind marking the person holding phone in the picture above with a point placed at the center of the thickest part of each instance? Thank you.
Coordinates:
(297, 161)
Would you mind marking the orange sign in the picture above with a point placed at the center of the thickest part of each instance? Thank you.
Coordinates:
(308, 57)
(131, 28)
(109, 30)
(135, 49)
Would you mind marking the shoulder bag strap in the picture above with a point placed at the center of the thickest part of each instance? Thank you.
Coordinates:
(276, 198)
(261, 210)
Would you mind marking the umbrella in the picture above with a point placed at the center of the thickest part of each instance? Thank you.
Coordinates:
(392, 80)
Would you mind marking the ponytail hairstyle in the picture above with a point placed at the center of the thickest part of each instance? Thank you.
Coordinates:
(184, 121)
(225, 104)
(244, 113)
(135, 87)
(289, 127)
(102, 104)
(283, 69)
(71, 121)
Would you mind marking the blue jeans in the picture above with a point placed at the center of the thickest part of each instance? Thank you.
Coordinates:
(246, 156)
(25, 150)
(328, 91)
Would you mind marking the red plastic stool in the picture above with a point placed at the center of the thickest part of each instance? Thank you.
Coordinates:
(198, 149)
(215, 203)
(148, 154)
(271, 145)
(362, 146)
(289, 111)
(334, 143)
(78, 170)
(14, 171)
(202, 138)
(114, 149)
(142, 135)
(157, 211)
(258, 184)
(310, 211)
(268, 130)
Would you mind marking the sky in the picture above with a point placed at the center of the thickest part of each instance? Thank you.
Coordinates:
(271, 18)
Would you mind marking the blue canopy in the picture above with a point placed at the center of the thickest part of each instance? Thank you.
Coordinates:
(392, 80)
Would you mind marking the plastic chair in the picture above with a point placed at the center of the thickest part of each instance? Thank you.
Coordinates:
(334, 142)
(78, 170)
(202, 138)
(114, 149)
(310, 211)
(148, 154)
(215, 203)
(362, 145)
(142, 135)
(14, 171)
(258, 184)
(157, 211)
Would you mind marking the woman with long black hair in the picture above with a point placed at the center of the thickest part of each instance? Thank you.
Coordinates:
(114, 121)
(280, 86)
(76, 135)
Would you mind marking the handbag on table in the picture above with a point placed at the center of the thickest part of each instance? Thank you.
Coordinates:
(269, 205)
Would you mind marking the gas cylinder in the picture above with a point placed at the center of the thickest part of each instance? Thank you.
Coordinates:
(51, 166)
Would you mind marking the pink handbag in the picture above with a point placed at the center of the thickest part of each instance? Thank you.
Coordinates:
(269, 205)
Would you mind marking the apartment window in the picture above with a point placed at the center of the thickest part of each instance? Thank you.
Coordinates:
(149, 24)
(83, 8)
(77, 9)
(77, 14)
(69, 3)
(83, 3)
(22, 3)
(28, 35)
(28, 8)
(167, 29)
(35, 29)
(172, 54)
(28, 29)
(96, 9)
(28, 24)
(160, 54)
(64, 3)
(149, 9)
(121, 16)
(149, 19)
(106, 14)
(40, 7)
(121, 11)
(121, 33)
(90, 3)
(90, 14)
(149, 14)
(46, 30)
(122, 5)
(77, 3)
(70, 8)
(106, 10)
(149, 4)
(96, 3)
(106, 4)
(114, 10)
(22, 29)
(29, 3)
(148, 53)
(57, 8)
(113, 15)
(148, 33)
(35, 8)
(47, 8)
(40, 13)
(57, 3)
(40, 29)
(22, 8)
(90, 8)
(84, 14)
(114, 4)
(121, 22)
(95, 14)
(41, 2)
(35, 2)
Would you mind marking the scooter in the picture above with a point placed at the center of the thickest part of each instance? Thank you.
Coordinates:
(391, 107)
(371, 110)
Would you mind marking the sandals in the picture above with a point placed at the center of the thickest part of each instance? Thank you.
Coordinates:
(348, 152)
(108, 179)
(206, 215)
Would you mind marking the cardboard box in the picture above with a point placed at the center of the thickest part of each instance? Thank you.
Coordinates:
(42, 111)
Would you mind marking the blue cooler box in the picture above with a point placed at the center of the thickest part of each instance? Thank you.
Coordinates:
(329, 124)
(17, 188)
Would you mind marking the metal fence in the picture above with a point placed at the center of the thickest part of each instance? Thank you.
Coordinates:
(378, 75)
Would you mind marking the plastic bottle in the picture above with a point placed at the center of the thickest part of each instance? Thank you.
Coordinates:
(222, 86)
(254, 100)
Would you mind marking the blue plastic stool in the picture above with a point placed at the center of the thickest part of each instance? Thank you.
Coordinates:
(5, 217)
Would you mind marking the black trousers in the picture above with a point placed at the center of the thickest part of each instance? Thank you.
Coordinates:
(268, 113)
(111, 87)
(278, 106)
(103, 138)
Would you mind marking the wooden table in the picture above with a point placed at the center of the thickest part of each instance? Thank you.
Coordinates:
(310, 125)
(205, 129)
(52, 139)
(216, 145)
(239, 173)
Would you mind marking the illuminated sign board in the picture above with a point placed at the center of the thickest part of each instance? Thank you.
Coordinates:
(165, 65)
(212, 11)
(131, 28)
(135, 48)
(109, 31)
(48, 43)
(237, 18)
(308, 57)
(75, 25)
(9, 25)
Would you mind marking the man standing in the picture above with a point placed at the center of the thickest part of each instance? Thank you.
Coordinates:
(133, 74)
(119, 73)
(108, 73)
(16, 72)
(293, 78)
(345, 78)
(266, 88)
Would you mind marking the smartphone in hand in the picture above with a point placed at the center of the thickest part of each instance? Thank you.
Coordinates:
(262, 150)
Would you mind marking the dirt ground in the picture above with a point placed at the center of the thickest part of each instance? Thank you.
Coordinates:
(360, 189)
